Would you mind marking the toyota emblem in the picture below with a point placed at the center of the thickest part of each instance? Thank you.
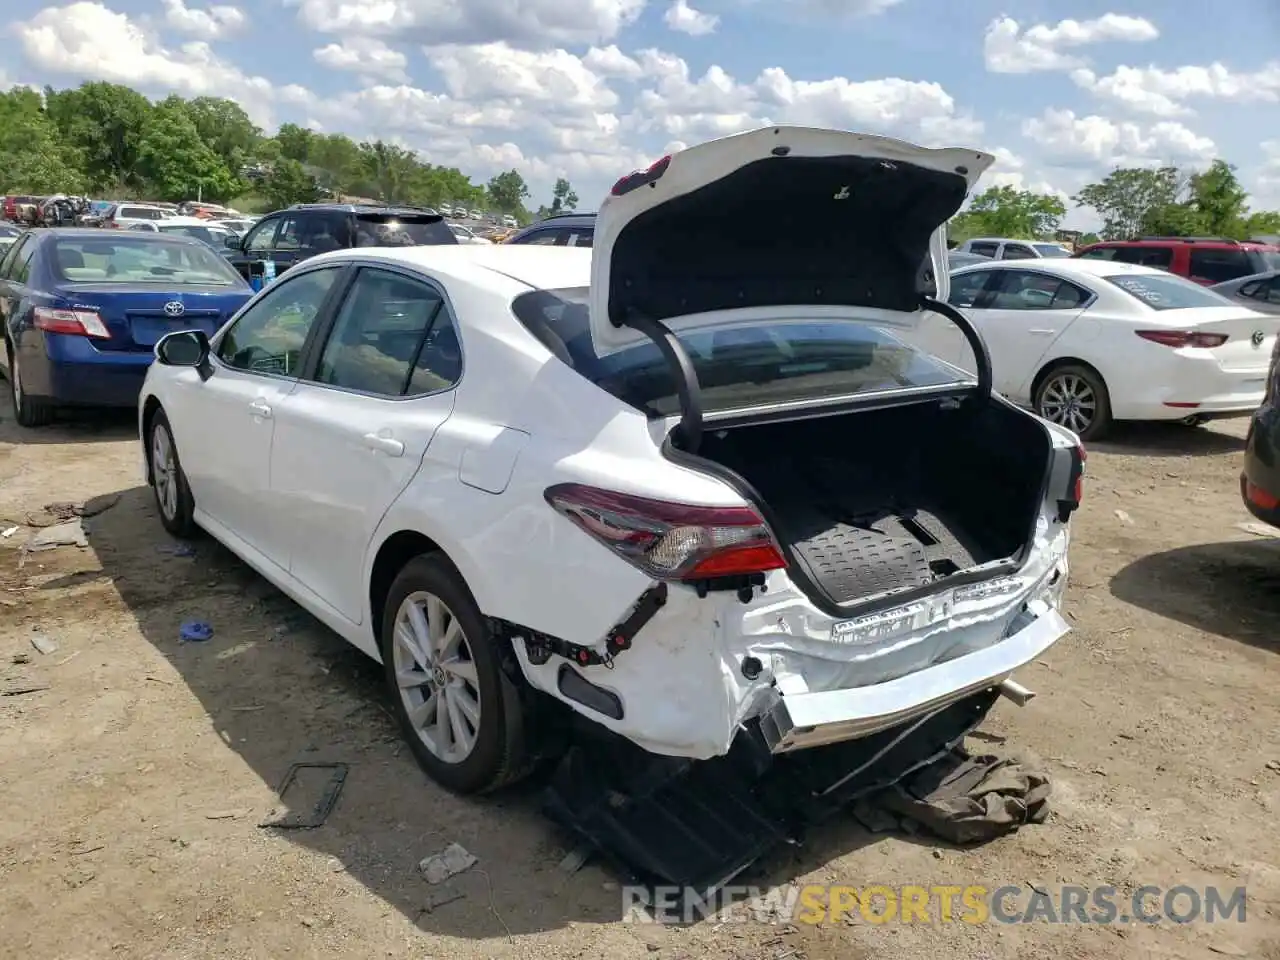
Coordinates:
(1258, 337)
(175, 308)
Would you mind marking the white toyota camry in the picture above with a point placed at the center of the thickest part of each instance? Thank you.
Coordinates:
(1087, 342)
(695, 491)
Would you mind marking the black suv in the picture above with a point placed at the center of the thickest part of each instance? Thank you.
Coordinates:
(288, 237)
(562, 230)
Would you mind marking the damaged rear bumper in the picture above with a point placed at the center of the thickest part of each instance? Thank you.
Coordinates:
(805, 720)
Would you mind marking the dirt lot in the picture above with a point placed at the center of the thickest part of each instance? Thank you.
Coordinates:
(133, 785)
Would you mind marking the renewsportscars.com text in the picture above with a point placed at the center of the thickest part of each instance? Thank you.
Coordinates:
(970, 904)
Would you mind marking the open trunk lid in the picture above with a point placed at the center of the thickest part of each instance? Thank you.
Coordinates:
(698, 239)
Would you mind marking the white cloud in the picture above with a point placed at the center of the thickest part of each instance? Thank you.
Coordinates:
(683, 18)
(554, 79)
(89, 41)
(526, 23)
(1098, 141)
(212, 24)
(611, 62)
(1163, 93)
(1007, 48)
(366, 56)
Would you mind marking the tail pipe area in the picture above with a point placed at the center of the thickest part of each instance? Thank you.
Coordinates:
(1015, 692)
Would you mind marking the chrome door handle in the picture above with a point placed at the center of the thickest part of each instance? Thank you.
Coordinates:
(259, 408)
(1042, 333)
(383, 444)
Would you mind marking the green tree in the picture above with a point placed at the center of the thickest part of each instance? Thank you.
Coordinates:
(289, 183)
(388, 170)
(1129, 198)
(336, 162)
(295, 142)
(508, 191)
(563, 198)
(226, 128)
(32, 157)
(177, 163)
(1006, 212)
(105, 122)
(1219, 201)
(1262, 223)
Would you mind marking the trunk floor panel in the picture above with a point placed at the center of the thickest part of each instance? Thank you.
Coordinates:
(697, 825)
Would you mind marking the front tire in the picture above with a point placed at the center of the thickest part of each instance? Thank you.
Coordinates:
(27, 411)
(1075, 397)
(169, 481)
(463, 716)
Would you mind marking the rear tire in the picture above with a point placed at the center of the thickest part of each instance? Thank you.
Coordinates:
(1074, 396)
(27, 411)
(169, 481)
(465, 719)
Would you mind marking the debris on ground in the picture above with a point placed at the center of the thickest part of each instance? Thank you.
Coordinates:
(450, 862)
(971, 799)
(20, 689)
(69, 534)
(8, 532)
(227, 814)
(575, 859)
(1123, 517)
(65, 510)
(1258, 529)
(44, 644)
(322, 808)
(177, 550)
(195, 631)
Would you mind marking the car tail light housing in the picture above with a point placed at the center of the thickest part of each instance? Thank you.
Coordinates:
(669, 541)
(76, 322)
(633, 181)
(1183, 338)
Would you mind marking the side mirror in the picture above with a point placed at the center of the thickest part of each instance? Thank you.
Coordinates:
(183, 348)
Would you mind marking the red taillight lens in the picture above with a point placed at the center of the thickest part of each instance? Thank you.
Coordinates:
(639, 178)
(79, 323)
(1183, 338)
(672, 541)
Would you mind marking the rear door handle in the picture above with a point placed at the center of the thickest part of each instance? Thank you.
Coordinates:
(380, 443)
(260, 408)
(1043, 333)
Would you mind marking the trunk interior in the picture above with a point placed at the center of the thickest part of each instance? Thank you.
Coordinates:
(895, 498)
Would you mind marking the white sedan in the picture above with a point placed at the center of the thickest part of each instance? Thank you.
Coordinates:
(693, 509)
(1088, 342)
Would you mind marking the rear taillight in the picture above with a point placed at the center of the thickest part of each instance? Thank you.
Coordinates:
(1183, 338)
(80, 323)
(672, 541)
(1069, 500)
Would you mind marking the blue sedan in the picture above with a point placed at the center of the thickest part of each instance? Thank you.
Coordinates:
(82, 309)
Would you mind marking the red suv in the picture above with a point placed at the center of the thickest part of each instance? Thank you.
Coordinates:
(1206, 260)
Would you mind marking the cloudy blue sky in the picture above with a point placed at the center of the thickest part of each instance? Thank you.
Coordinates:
(590, 89)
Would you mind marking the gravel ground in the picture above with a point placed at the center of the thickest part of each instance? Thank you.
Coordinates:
(133, 784)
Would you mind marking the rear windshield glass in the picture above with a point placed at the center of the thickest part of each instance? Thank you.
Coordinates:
(210, 235)
(1267, 259)
(737, 366)
(392, 231)
(144, 258)
(140, 213)
(1051, 250)
(1166, 291)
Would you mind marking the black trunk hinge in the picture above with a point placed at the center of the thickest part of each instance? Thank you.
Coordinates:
(979, 347)
(540, 647)
(682, 371)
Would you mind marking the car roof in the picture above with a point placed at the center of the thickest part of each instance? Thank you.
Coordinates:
(189, 222)
(508, 268)
(1065, 268)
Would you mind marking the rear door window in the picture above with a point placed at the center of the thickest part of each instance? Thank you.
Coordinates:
(20, 268)
(1016, 251)
(1159, 257)
(1219, 266)
(579, 238)
(546, 238)
(1099, 253)
(140, 213)
(738, 366)
(1027, 290)
(985, 249)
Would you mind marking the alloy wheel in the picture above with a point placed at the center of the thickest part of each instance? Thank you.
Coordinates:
(164, 469)
(1069, 401)
(436, 676)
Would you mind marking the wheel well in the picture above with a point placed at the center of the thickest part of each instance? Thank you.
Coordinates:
(1058, 364)
(149, 410)
(395, 552)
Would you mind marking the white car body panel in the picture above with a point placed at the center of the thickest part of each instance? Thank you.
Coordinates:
(308, 491)
(698, 166)
(1142, 377)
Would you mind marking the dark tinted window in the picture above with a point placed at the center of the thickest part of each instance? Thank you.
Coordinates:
(377, 343)
(1016, 251)
(1161, 257)
(966, 287)
(270, 335)
(1167, 292)
(1099, 253)
(546, 238)
(1219, 266)
(20, 267)
(737, 366)
(1026, 290)
(261, 237)
(986, 249)
(6, 263)
(408, 230)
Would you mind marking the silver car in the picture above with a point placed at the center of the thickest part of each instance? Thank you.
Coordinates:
(1259, 291)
